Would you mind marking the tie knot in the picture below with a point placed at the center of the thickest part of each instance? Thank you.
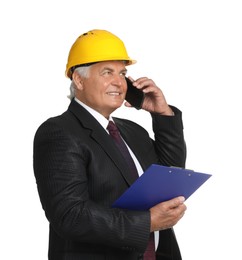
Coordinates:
(112, 127)
(114, 133)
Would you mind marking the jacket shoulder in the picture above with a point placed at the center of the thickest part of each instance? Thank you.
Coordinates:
(63, 122)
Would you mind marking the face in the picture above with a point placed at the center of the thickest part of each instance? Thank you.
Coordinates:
(105, 88)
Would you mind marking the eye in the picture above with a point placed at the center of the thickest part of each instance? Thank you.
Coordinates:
(107, 72)
(123, 73)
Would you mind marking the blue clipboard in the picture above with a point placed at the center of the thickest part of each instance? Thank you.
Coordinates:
(160, 183)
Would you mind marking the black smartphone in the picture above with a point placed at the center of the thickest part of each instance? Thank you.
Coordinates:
(134, 96)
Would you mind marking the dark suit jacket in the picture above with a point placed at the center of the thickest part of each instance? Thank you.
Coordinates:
(80, 173)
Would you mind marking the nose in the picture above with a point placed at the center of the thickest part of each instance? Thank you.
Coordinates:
(118, 80)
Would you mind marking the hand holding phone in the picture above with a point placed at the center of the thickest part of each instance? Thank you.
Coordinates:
(134, 96)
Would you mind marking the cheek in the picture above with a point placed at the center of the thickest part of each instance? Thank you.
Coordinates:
(104, 87)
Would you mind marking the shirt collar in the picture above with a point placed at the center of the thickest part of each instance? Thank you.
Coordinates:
(103, 121)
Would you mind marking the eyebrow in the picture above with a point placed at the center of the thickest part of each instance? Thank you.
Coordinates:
(110, 69)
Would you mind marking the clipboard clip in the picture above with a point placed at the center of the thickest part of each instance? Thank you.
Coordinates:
(181, 168)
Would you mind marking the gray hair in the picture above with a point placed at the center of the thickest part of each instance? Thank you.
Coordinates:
(83, 72)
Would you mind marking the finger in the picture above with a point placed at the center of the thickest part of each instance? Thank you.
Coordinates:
(131, 78)
(176, 202)
(127, 104)
(149, 89)
(143, 82)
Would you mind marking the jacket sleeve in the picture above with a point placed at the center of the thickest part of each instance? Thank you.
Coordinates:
(169, 142)
(60, 165)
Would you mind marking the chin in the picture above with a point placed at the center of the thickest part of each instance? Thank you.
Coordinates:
(116, 103)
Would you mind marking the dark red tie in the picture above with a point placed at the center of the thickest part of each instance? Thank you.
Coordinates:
(150, 250)
(114, 133)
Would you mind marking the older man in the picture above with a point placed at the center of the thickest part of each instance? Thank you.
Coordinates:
(80, 169)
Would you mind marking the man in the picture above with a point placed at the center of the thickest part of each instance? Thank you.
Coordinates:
(80, 170)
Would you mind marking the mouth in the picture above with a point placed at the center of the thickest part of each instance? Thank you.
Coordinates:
(114, 93)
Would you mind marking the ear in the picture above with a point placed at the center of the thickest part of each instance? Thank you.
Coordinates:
(77, 79)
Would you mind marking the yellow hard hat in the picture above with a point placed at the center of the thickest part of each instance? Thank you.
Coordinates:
(95, 46)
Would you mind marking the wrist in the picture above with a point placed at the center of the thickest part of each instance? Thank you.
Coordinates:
(168, 112)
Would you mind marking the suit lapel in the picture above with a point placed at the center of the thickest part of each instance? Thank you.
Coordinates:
(100, 136)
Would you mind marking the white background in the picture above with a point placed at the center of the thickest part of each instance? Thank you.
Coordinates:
(191, 49)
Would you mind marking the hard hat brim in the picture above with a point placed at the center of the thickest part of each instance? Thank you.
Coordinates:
(71, 70)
